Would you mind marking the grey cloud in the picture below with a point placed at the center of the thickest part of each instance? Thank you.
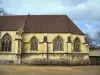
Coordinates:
(83, 9)
(73, 2)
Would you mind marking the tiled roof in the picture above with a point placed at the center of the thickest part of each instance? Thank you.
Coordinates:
(40, 24)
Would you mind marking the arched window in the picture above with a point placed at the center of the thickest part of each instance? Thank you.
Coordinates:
(6, 43)
(58, 44)
(34, 44)
(77, 45)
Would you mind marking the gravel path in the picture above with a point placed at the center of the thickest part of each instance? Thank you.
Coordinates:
(48, 70)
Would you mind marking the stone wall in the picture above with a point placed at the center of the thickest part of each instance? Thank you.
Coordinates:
(9, 58)
(56, 59)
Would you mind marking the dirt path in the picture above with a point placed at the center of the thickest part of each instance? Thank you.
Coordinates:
(48, 70)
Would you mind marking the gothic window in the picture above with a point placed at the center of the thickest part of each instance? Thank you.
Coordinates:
(58, 44)
(34, 44)
(77, 45)
(6, 43)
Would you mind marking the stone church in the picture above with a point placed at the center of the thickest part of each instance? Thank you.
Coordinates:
(42, 40)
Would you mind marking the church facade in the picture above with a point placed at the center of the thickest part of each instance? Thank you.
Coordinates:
(42, 40)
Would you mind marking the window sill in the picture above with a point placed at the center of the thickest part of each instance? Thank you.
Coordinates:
(35, 51)
(60, 51)
(5, 52)
(80, 52)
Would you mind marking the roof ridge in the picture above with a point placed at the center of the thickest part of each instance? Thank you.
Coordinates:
(35, 15)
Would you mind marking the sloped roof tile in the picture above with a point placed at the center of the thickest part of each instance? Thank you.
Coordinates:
(40, 24)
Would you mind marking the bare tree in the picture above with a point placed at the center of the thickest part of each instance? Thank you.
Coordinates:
(98, 34)
(89, 38)
(91, 41)
(97, 38)
(3, 12)
(94, 42)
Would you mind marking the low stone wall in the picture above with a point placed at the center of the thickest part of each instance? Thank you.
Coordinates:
(55, 58)
(9, 58)
(45, 59)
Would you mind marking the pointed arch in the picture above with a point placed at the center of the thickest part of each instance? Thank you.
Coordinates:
(34, 44)
(6, 43)
(58, 44)
(77, 44)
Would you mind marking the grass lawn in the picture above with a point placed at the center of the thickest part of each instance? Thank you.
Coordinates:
(48, 70)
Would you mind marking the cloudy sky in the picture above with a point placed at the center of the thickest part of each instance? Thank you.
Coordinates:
(84, 13)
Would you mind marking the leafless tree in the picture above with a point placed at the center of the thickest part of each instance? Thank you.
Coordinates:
(97, 38)
(3, 12)
(98, 34)
(94, 42)
(89, 39)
